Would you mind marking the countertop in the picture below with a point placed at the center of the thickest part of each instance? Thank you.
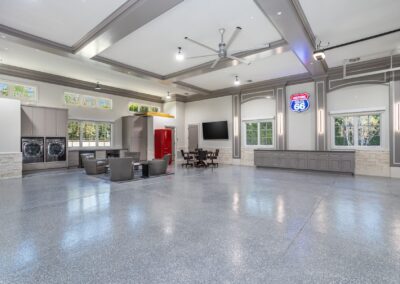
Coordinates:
(308, 151)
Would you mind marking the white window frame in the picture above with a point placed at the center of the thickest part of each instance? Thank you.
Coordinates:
(258, 121)
(97, 134)
(355, 114)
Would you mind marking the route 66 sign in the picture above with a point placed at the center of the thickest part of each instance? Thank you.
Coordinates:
(299, 102)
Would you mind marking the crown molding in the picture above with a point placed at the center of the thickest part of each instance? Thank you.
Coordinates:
(73, 83)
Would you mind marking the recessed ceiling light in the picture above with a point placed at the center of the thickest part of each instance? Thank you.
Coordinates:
(267, 97)
(279, 13)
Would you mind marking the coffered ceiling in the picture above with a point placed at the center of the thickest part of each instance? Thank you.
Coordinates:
(131, 44)
(63, 22)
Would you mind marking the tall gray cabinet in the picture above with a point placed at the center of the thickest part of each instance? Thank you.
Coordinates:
(44, 122)
(134, 134)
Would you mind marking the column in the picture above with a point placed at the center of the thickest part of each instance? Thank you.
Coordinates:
(280, 118)
(236, 122)
(321, 114)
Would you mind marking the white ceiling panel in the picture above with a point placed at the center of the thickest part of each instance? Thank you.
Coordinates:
(60, 21)
(340, 21)
(272, 67)
(153, 46)
(81, 69)
(369, 49)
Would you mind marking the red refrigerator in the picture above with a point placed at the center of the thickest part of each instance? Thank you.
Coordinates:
(162, 143)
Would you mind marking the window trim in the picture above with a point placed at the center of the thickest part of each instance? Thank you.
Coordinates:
(97, 122)
(354, 114)
(258, 121)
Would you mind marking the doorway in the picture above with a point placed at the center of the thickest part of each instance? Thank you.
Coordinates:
(193, 130)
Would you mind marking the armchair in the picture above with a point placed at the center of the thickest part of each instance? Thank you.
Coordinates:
(121, 169)
(93, 166)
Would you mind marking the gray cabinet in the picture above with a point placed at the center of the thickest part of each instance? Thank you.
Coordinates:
(51, 122)
(62, 122)
(134, 134)
(333, 161)
(73, 158)
(26, 121)
(39, 121)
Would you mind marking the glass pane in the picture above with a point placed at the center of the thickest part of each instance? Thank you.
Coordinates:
(88, 134)
(251, 133)
(73, 133)
(344, 131)
(89, 101)
(4, 89)
(369, 130)
(72, 99)
(104, 133)
(104, 103)
(133, 107)
(265, 133)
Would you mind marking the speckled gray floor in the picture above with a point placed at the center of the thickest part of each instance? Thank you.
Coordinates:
(228, 225)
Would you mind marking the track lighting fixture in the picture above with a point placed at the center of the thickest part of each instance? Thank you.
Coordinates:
(179, 56)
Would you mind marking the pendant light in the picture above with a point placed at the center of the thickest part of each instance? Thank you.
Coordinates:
(180, 56)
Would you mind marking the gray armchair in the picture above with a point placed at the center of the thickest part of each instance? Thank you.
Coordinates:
(93, 166)
(134, 155)
(159, 166)
(121, 169)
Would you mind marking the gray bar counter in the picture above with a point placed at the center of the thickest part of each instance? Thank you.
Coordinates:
(331, 161)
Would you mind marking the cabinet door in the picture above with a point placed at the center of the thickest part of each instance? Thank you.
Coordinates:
(39, 121)
(26, 121)
(51, 122)
(62, 121)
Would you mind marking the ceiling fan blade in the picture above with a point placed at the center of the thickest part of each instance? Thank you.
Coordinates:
(233, 37)
(239, 59)
(215, 62)
(201, 56)
(202, 45)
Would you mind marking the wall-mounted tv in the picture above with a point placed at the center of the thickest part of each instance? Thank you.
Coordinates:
(215, 130)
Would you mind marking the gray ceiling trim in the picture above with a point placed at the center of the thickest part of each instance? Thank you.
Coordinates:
(131, 19)
(275, 47)
(127, 69)
(34, 41)
(291, 27)
(192, 88)
(74, 83)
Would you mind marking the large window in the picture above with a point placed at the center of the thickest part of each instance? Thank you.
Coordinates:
(259, 133)
(89, 134)
(355, 131)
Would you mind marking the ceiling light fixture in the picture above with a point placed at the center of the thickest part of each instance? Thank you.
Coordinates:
(237, 81)
(279, 13)
(319, 55)
(97, 88)
(179, 56)
(168, 96)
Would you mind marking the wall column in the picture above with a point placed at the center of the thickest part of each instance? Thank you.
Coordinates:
(395, 119)
(236, 125)
(280, 118)
(321, 114)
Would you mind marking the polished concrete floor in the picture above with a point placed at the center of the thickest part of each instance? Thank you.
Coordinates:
(228, 225)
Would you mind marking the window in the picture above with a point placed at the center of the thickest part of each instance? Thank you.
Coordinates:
(89, 134)
(259, 133)
(357, 131)
(104, 134)
(74, 134)
(18, 91)
(87, 101)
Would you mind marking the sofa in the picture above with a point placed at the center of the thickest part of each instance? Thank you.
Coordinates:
(94, 166)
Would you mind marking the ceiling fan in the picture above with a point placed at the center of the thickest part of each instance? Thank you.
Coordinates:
(223, 48)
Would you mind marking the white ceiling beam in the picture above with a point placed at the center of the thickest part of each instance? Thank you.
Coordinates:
(284, 16)
(138, 14)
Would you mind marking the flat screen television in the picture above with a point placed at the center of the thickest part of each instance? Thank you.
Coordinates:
(217, 130)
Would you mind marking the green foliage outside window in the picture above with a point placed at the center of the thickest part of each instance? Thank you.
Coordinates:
(104, 130)
(74, 131)
(252, 133)
(89, 131)
(266, 133)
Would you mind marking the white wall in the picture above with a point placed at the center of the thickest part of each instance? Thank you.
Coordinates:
(301, 126)
(217, 109)
(358, 98)
(10, 126)
(51, 95)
